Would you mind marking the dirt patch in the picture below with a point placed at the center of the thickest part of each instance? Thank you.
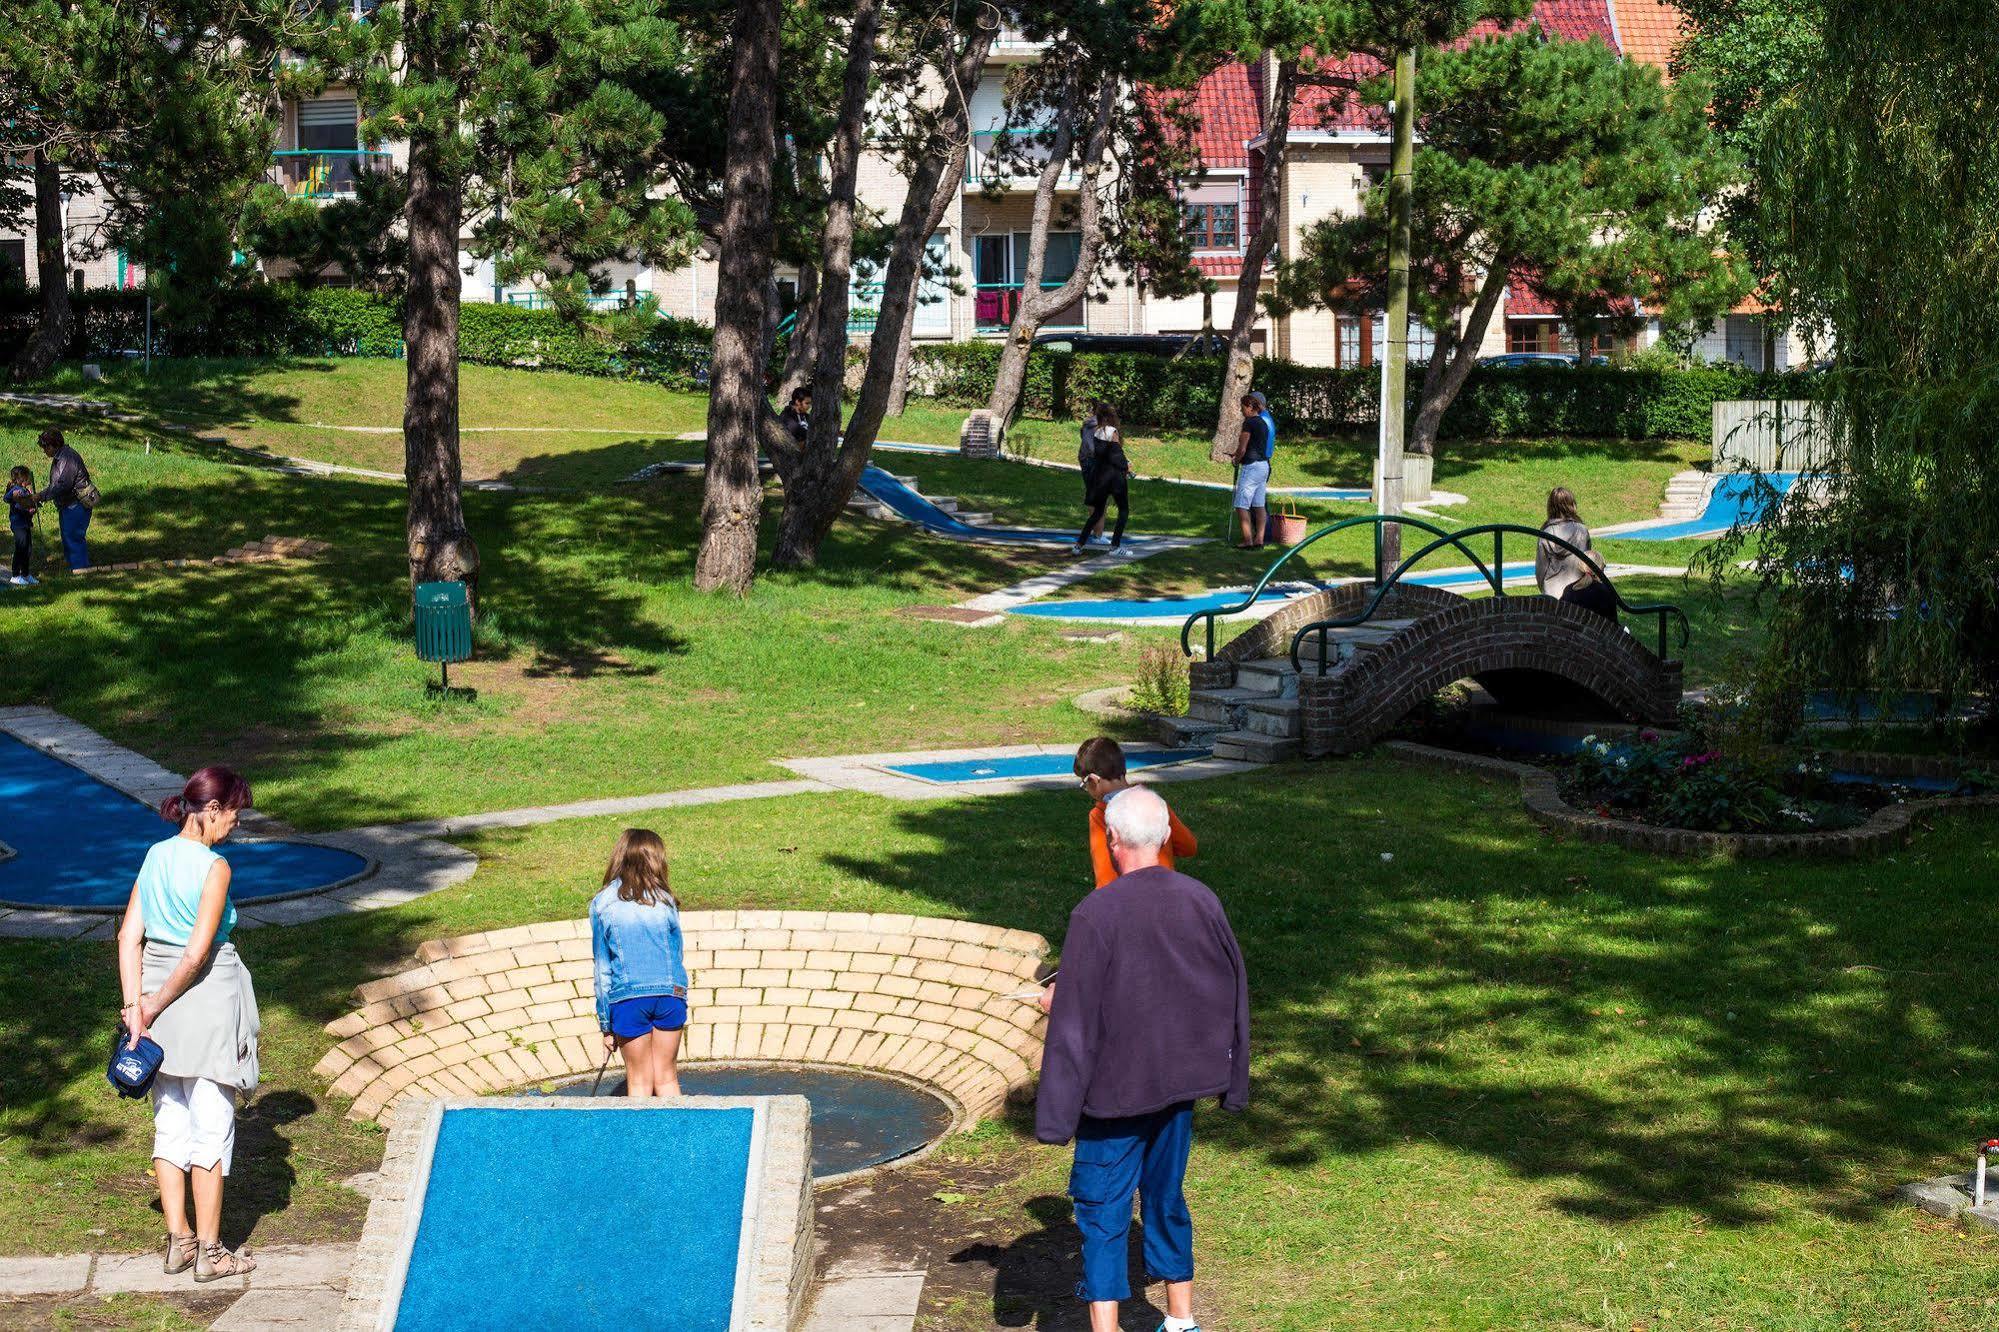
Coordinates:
(87, 1313)
(993, 1235)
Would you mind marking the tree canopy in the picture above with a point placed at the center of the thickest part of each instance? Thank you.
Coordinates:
(1551, 163)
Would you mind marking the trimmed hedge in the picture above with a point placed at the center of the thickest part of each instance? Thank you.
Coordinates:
(269, 320)
(1159, 393)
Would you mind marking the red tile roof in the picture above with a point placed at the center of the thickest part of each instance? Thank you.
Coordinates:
(1650, 30)
(1526, 300)
(1230, 115)
(1336, 109)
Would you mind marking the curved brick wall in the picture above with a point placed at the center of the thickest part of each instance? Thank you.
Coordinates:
(1271, 636)
(910, 995)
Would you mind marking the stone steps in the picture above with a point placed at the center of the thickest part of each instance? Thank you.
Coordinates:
(1255, 747)
(1685, 495)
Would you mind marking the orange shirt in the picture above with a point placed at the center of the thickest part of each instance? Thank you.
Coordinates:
(1179, 843)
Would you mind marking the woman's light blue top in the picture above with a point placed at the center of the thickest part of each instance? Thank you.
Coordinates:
(637, 950)
(170, 884)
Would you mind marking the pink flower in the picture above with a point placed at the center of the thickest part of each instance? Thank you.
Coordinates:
(1649, 736)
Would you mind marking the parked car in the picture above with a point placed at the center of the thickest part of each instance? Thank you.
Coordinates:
(1149, 344)
(1529, 360)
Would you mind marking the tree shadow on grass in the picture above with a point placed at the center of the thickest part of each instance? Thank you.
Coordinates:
(1638, 1034)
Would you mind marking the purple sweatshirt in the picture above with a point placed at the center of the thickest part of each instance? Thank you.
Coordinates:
(1151, 1008)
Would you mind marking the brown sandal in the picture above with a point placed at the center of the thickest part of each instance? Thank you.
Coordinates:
(215, 1262)
(181, 1250)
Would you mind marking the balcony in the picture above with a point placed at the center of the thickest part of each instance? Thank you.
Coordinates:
(1012, 44)
(1011, 159)
(994, 305)
(613, 300)
(324, 173)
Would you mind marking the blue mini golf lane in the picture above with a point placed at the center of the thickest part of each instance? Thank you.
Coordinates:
(1733, 500)
(78, 842)
(1031, 765)
(580, 1218)
(1179, 608)
(885, 489)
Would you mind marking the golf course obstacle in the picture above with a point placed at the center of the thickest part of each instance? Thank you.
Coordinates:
(925, 999)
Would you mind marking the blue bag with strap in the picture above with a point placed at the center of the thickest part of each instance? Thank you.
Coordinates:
(133, 1069)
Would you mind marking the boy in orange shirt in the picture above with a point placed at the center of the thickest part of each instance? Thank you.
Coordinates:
(1100, 768)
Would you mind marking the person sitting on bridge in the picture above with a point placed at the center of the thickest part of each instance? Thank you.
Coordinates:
(1559, 571)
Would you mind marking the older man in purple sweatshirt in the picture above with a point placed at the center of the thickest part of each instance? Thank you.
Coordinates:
(1152, 1015)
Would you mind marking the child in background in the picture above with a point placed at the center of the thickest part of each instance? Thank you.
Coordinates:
(641, 974)
(21, 505)
(1100, 768)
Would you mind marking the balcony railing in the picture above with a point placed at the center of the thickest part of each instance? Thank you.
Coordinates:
(539, 300)
(994, 304)
(324, 173)
(1011, 159)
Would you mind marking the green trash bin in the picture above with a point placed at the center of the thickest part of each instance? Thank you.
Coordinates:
(443, 626)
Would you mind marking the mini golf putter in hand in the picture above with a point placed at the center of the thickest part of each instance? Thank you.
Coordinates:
(1036, 990)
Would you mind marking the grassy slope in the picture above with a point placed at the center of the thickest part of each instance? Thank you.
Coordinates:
(599, 671)
(1501, 1080)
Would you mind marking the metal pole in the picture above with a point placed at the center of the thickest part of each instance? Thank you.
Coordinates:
(1395, 365)
(149, 333)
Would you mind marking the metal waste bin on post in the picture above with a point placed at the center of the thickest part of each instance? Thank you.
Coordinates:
(443, 626)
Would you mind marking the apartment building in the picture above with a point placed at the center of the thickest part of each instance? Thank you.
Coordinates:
(978, 255)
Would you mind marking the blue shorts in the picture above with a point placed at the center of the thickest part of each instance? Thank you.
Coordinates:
(1251, 480)
(633, 1018)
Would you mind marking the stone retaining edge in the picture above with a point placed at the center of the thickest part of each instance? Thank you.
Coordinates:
(918, 997)
(1889, 825)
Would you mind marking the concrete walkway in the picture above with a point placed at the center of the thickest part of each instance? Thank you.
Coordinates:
(592, 809)
(298, 1286)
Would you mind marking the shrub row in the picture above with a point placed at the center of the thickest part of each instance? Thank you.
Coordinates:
(281, 320)
(1158, 393)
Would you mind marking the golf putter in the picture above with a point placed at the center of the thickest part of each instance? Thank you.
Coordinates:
(600, 1072)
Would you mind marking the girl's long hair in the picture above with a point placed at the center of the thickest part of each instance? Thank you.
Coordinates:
(1106, 415)
(1562, 505)
(638, 865)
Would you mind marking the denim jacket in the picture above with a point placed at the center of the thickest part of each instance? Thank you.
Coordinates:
(637, 949)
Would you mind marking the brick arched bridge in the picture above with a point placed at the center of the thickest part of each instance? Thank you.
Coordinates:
(1386, 649)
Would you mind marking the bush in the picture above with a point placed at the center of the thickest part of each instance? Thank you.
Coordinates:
(274, 319)
(1161, 686)
(1156, 392)
(1683, 782)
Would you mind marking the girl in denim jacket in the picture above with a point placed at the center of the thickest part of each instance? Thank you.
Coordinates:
(641, 975)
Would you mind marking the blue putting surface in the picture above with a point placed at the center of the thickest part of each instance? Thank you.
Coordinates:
(1733, 500)
(1179, 608)
(79, 842)
(1032, 765)
(885, 489)
(580, 1218)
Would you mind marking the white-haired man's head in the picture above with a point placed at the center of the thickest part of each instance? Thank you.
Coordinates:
(1136, 825)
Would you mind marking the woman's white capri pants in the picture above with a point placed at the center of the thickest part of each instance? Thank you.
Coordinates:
(194, 1122)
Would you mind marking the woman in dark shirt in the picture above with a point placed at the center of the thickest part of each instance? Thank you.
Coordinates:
(67, 477)
(1108, 480)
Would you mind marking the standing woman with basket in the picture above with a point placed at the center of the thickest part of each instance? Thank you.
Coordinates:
(185, 986)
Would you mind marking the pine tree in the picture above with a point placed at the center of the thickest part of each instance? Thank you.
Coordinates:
(534, 135)
(1551, 162)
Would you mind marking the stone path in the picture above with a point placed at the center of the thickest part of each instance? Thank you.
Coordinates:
(865, 1301)
(294, 1286)
(590, 809)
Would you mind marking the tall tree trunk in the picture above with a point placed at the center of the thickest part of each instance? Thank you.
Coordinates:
(732, 500)
(1443, 380)
(1241, 367)
(58, 317)
(1036, 305)
(815, 498)
(798, 353)
(440, 550)
(898, 386)
(810, 465)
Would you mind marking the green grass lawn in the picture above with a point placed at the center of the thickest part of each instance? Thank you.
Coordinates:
(1501, 1080)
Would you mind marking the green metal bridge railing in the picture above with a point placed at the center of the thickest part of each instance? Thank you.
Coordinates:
(1384, 579)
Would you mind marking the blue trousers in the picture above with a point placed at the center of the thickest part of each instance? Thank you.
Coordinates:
(1146, 1155)
(73, 522)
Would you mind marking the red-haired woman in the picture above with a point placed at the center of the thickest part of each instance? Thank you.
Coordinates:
(184, 984)
(641, 969)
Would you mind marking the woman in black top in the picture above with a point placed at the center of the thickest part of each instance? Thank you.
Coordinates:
(1108, 479)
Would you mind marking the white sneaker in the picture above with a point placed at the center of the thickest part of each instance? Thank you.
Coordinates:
(29, 580)
(21, 580)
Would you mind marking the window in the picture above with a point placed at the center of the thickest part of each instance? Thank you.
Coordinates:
(13, 262)
(329, 123)
(1211, 226)
(1356, 341)
(1533, 335)
(999, 270)
(1743, 341)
